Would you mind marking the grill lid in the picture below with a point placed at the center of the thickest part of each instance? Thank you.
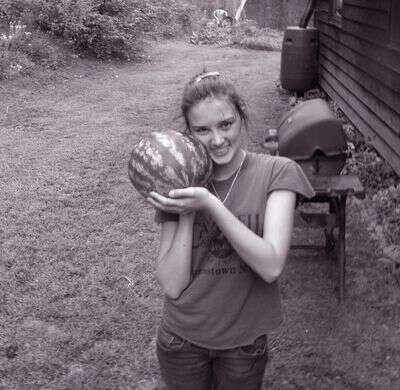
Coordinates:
(309, 130)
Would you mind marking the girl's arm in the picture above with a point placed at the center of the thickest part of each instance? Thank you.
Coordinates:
(265, 255)
(175, 255)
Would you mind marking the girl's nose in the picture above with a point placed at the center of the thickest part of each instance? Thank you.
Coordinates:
(217, 138)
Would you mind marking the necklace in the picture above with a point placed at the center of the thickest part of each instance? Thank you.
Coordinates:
(233, 182)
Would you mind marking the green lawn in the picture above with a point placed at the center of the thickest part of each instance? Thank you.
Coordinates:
(79, 303)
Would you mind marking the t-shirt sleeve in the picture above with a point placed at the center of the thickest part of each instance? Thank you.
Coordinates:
(288, 175)
(162, 216)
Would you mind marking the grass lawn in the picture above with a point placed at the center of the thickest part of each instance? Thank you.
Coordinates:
(79, 304)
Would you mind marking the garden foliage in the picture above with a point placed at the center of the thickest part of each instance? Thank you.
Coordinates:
(21, 50)
(244, 33)
(100, 28)
(381, 183)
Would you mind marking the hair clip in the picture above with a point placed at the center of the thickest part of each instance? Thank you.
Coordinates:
(205, 75)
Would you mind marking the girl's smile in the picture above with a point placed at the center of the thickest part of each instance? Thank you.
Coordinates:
(217, 125)
(222, 151)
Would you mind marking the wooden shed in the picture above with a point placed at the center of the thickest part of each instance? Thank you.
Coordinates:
(359, 67)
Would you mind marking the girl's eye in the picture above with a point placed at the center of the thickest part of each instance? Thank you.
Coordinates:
(225, 124)
(200, 130)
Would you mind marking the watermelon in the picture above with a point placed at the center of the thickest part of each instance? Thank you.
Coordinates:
(166, 160)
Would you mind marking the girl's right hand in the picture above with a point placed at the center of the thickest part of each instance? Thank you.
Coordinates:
(182, 201)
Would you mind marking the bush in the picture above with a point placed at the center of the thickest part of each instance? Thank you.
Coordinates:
(374, 172)
(104, 36)
(168, 18)
(21, 50)
(386, 202)
(381, 183)
(102, 28)
(227, 33)
(244, 33)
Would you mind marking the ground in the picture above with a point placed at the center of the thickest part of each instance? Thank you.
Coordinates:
(79, 304)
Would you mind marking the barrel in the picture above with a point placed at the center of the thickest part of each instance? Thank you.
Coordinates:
(299, 59)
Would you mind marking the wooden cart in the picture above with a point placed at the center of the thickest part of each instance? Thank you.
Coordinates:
(334, 191)
(312, 135)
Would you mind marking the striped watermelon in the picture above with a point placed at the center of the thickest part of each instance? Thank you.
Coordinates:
(168, 160)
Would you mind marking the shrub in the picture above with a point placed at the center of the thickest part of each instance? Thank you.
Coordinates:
(386, 202)
(244, 33)
(167, 18)
(99, 28)
(381, 183)
(374, 172)
(102, 28)
(209, 32)
(21, 50)
(103, 36)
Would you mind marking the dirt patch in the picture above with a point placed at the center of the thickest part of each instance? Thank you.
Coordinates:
(79, 303)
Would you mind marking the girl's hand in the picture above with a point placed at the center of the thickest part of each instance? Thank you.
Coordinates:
(182, 201)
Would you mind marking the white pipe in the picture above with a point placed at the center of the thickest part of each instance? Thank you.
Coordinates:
(240, 9)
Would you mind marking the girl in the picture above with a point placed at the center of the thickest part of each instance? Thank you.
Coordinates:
(222, 249)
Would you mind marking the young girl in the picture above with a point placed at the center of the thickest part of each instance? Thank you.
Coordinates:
(222, 249)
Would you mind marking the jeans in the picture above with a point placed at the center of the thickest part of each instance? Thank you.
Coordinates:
(185, 366)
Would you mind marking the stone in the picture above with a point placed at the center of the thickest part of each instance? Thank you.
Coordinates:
(392, 252)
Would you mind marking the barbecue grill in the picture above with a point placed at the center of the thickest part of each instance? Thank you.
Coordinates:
(311, 135)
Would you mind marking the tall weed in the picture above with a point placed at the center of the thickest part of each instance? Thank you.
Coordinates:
(22, 51)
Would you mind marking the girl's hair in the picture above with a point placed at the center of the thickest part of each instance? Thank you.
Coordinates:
(211, 84)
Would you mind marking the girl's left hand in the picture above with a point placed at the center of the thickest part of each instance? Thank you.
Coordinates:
(182, 200)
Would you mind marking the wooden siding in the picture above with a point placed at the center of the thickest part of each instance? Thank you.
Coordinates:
(360, 69)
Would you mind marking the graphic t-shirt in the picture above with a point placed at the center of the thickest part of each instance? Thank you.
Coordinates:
(226, 304)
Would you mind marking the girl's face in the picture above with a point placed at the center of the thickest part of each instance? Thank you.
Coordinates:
(217, 125)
